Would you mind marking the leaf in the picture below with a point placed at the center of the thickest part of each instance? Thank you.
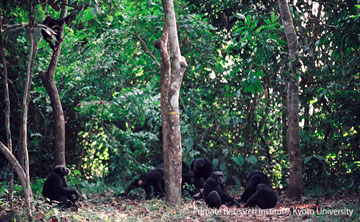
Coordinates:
(76, 172)
(239, 160)
(259, 29)
(223, 167)
(248, 20)
(88, 14)
(237, 181)
(252, 159)
(142, 119)
(215, 162)
(319, 157)
(307, 159)
(253, 26)
(189, 143)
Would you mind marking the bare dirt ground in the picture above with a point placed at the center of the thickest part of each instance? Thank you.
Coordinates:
(108, 207)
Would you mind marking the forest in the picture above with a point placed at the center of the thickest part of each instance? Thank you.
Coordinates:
(187, 110)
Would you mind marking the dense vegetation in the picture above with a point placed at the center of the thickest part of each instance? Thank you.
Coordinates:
(233, 96)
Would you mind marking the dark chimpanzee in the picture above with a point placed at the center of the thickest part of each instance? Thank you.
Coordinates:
(152, 178)
(188, 176)
(264, 197)
(56, 188)
(254, 178)
(54, 32)
(214, 193)
(202, 168)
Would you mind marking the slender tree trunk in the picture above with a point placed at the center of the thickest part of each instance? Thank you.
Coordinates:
(25, 108)
(173, 66)
(48, 79)
(7, 115)
(284, 123)
(295, 181)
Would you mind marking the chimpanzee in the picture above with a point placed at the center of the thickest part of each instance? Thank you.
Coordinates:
(152, 178)
(202, 168)
(214, 193)
(188, 176)
(56, 188)
(264, 197)
(54, 31)
(254, 178)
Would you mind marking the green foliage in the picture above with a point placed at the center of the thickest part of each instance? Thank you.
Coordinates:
(232, 104)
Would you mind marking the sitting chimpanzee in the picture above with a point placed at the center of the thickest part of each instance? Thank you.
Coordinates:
(202, 169)
(214, 193)
(264, 197)
(56, 188)
(254, 178)
(152, 178)
(188, 176)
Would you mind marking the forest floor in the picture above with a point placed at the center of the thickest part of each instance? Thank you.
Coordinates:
(108, 207)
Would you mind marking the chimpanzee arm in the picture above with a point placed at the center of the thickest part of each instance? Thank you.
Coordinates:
(68, 191)
(132, 186)
(255, 198)
(226, 198)
(250, 189)
(224, 195)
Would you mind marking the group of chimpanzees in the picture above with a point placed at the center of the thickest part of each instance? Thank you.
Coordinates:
(154, 178)
(258, 191)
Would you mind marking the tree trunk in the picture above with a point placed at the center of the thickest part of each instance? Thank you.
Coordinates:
(25, 108)
(173, 66)
(21, 174)
(284, 123)
(295, 189)
(48, 79)
(7, 116)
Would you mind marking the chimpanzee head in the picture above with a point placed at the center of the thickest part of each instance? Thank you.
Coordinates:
(198, 165)
(218, 176)
(62, 170)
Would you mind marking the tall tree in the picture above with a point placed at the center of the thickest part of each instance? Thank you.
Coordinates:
(7, 111)
(295, 181)
(173, 66)
(25, 102)
(48, 79)
(22, 168)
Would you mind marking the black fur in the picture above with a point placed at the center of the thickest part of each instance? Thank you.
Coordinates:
(264, 197)
(54, 32)
(214, 193)
(254, 178)
(152, 178)
(202, 169)
(56, 188)
(188, 176)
